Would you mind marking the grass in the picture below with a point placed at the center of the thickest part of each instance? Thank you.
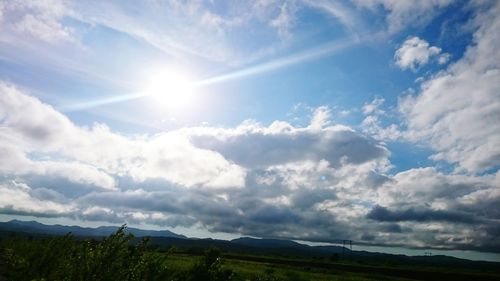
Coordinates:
(251, 270)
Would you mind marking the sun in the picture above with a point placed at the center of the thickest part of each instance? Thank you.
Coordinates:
(170, 89)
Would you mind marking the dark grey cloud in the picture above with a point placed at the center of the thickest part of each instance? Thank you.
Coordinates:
(12, 210)
(263, 148)
(392, 228)
(305, 199)
(167, 201)
(380, 213)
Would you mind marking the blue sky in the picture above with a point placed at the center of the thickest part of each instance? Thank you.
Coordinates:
(369, 120)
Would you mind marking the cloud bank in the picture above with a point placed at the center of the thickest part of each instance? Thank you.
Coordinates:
(322, 182)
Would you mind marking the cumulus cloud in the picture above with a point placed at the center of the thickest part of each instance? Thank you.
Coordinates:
(95, 155)
(18, 199)
(372, 124)
(252, 145)
(415, 52)
(43, 130)
(174, 158)
(452, 205)
(456, 111)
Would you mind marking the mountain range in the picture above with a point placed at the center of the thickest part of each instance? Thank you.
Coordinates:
(39, 228)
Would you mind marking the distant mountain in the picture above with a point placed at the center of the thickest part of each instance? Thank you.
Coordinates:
(38, 228)
(287, 248)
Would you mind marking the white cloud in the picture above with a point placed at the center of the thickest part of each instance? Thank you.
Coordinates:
(17, 199)
(415, 52)
(46, 29)
(198, 28)
(252, 145)
(374, 106)
(346, 16)
(285, 20)
(372, 124)
(321, 118)
(14, 161)
(95, 155)
(373, 127)
(43, 129)
(444, 58)
(172, 157)
(41, 20)
(457, 110)
(29, 126)
(75, 172)
(180, 29)
(427, 186)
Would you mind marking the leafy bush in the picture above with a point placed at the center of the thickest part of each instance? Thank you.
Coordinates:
(65, 258)
(210, 268)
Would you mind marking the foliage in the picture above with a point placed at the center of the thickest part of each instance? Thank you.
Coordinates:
(65, 258)
(210, 268)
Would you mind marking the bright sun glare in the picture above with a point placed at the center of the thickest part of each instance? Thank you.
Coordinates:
(170, 89)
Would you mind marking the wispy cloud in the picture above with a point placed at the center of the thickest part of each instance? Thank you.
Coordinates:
(346, 16)
(401, 14)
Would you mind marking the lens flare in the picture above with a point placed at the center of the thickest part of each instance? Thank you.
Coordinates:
(170, 89)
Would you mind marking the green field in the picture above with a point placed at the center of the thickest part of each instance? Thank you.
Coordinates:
(253, 270)
(271, 268)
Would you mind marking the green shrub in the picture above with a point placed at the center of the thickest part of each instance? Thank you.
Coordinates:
(210, 268)
(67, 259)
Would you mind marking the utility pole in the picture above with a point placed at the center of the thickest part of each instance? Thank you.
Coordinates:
(344, 243)
(343, 249)
(350, 247)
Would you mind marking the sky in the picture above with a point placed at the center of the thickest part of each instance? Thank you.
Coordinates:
(375, 121)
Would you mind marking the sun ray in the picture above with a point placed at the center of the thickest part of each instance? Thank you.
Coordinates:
(181, 88)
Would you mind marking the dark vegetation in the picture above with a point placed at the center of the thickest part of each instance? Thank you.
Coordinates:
(120, 256)
(64, 258)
